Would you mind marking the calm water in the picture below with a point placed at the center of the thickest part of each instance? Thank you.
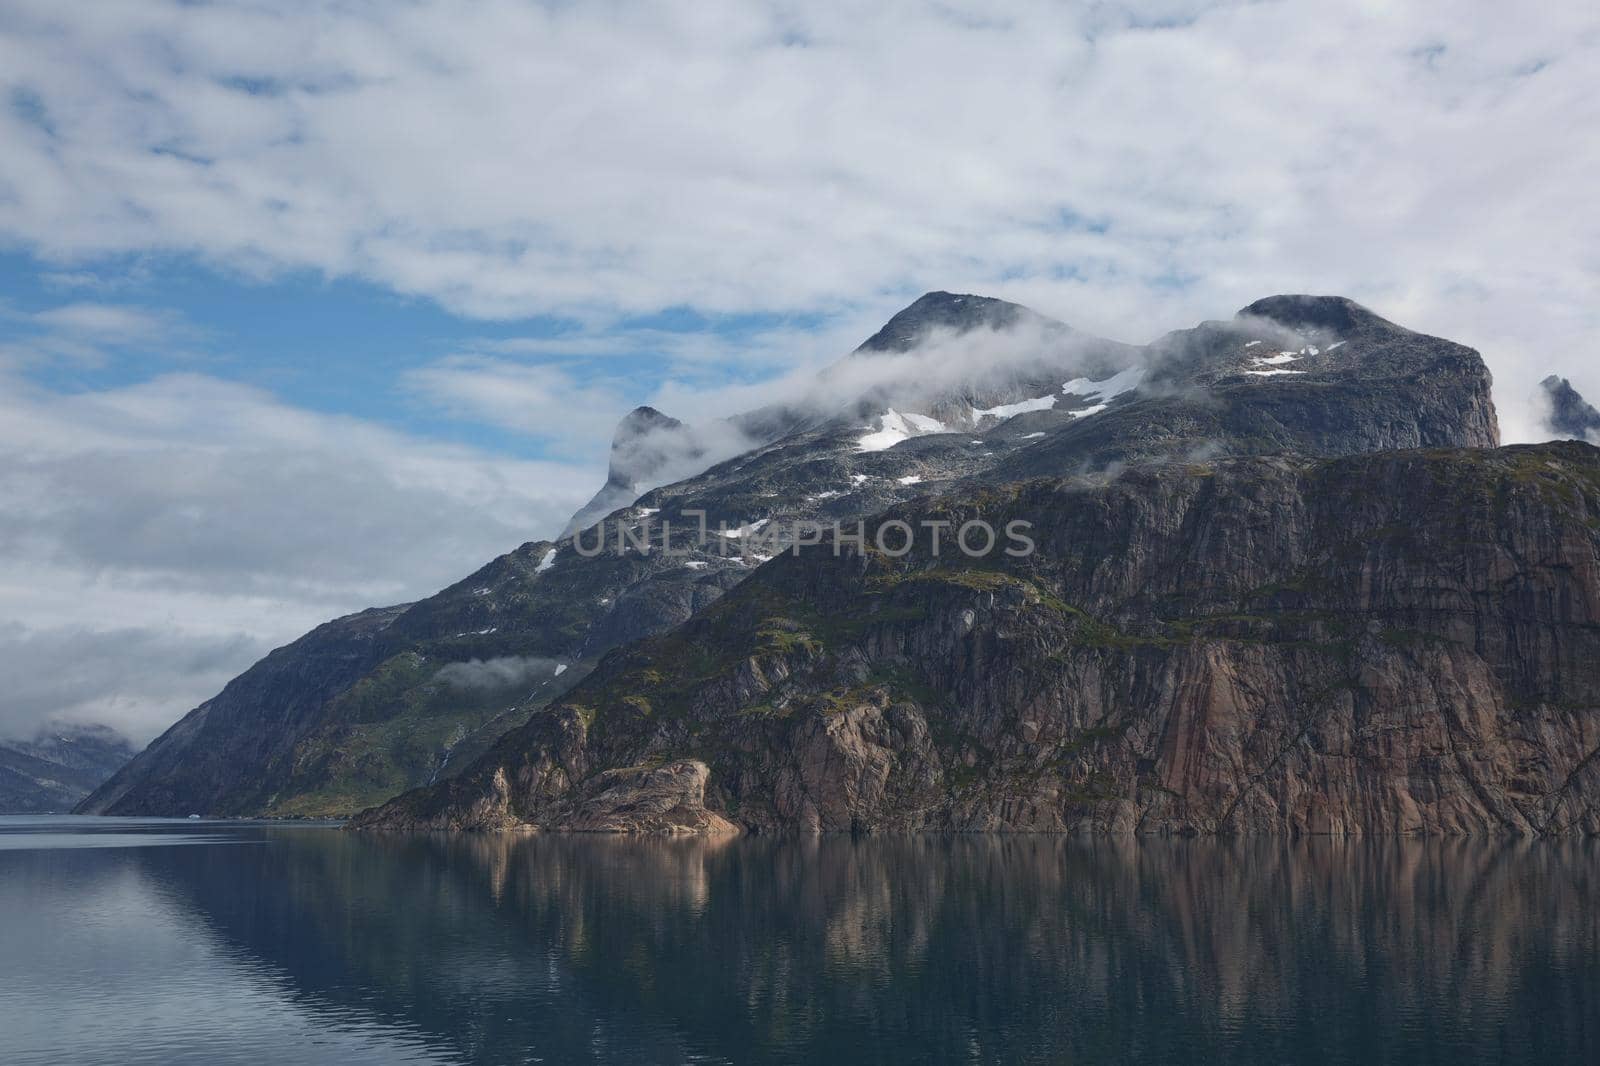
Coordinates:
(131, 941)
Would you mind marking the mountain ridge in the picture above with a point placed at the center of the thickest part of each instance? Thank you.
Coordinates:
(58, 768)
(1281, 645)
(367, 709)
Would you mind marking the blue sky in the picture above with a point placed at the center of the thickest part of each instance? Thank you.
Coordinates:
(309, 307)
(332, 346)
(345, 346)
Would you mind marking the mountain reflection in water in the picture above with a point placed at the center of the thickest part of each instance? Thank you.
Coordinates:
(311, 945)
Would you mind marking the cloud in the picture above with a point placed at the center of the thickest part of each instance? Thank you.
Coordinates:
(127, 677)
(102, 320)
(568, 392)
(1127, 167)
(87, 333)
(185, 520)
(541, 401)
(502, 672)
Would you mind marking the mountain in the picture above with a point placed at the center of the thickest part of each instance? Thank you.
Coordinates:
(957, 396)
(646, 443)
(1401, 642)
(1569, 415)
(58, 768)
(955, 313)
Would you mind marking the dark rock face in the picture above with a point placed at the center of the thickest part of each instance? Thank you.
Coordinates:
(1397, 643)
(955, 312)
(1288, 375)
(1569, 415)
(646, 442)
(1329, 314)
(57, 769)
(367, 707)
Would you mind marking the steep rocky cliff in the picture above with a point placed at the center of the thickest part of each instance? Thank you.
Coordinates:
(1393, 643)
(957, 393)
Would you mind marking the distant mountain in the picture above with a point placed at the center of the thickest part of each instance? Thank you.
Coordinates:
(54, 772)
(1569, 416)
(956, 397)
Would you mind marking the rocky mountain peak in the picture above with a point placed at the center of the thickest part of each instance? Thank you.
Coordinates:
(645, 443)
(1335, 314)
(957, 312)
(637, 449)
(644, 417)
(1569, 415)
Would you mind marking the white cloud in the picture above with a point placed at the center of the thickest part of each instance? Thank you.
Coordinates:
(569, 391)
(542, 401)
(181, 526)
(125, 677)
(105, 320)
(497, 673)
(508, 158)
(88, 333)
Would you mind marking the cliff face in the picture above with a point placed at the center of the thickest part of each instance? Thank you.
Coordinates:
(368, 706)
(1394, 643)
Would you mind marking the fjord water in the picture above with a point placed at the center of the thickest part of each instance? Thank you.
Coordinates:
(126, 941)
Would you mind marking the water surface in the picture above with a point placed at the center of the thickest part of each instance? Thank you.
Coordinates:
(125, 941)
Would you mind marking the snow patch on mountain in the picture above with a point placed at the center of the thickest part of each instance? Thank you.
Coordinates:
(1010, 410)
(892, 429)
(1105, 391)
(1101, 392)
(746, 529)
